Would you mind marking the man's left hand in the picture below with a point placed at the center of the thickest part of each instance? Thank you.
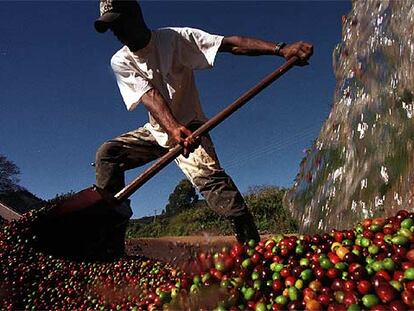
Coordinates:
(302, 50)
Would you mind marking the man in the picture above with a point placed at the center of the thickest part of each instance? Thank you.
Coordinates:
(156, 68)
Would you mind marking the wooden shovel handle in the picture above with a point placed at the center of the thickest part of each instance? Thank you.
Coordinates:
(205, 128)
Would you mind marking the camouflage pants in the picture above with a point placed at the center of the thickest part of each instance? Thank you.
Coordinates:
(202, 168)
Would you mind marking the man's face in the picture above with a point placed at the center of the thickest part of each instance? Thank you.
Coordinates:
(131, 33)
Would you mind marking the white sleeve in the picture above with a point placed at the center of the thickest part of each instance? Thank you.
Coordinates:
(197, 49)
(131, 85)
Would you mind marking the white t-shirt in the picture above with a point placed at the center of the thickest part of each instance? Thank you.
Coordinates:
(167, 64)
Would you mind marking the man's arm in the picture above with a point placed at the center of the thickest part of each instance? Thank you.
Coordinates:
(252, 47)
(161, 112)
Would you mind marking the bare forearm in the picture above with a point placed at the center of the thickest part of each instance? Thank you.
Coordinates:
(159, 110)
(247, 46)
(252, 47)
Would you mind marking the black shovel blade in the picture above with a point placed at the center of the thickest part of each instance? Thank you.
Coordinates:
(84, 226)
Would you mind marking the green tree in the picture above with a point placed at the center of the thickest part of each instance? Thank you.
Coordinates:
(9, 175)
(266, 205)
(182, 198)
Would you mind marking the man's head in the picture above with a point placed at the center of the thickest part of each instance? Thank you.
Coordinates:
(124, 18)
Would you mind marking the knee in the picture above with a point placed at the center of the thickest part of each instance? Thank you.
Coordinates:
(106, 151)
(215, 182)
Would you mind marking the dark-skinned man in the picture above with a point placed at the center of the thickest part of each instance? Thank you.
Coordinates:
(156, 67)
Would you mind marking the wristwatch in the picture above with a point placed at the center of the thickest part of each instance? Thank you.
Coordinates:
(278, 47)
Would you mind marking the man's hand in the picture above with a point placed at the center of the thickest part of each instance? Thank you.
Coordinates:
(183, 136)
(302, 50)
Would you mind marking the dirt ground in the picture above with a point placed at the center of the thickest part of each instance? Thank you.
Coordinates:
(178, 250)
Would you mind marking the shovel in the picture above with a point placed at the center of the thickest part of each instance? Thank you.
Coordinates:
(83, 225)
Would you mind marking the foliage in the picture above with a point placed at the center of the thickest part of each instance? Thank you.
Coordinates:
(137, 229)
(11, 193)
(61, 197)
(9, 175)
(265, 203)
(21, 201)
(182, 198)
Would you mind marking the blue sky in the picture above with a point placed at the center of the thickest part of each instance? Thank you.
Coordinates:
(59, 100)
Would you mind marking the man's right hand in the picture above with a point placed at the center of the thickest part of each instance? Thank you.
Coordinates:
(183, 136)
(302, 50)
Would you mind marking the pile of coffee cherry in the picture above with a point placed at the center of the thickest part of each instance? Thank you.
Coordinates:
(368, 267)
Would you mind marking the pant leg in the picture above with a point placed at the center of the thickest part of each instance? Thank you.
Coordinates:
(127, 151)
(203, 169)
(113, 158)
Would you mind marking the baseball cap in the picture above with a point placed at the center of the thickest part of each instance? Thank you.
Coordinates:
(111, 10)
